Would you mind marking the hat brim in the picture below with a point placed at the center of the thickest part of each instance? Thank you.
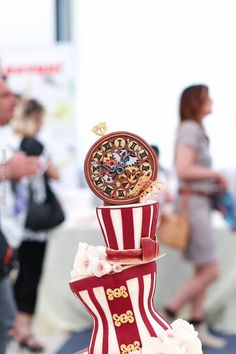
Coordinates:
(134, 261)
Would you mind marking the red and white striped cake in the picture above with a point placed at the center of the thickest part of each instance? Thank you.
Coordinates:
(116, 285)
(121, 305)
(123, 226)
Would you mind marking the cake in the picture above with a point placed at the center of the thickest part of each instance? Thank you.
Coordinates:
(116, 282)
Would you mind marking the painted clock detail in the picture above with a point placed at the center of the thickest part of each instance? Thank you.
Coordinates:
(116, 165)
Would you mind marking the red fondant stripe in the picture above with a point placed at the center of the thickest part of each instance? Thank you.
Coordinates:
(154, 220)
(106, 215)
(146, 225)
(127, 333)
(128, 228)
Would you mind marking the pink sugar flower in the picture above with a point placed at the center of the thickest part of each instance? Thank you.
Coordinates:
(101, 268)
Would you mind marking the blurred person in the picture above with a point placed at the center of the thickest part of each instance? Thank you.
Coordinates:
(200, 181)
(7, 305)
(27, 123)
(13, 166)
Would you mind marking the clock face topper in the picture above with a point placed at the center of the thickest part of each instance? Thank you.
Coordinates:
(119, 167)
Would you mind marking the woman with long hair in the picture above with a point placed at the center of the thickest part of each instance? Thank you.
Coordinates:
(200, 181)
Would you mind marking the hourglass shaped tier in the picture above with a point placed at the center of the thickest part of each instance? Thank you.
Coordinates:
(129, 231)
(121, 305)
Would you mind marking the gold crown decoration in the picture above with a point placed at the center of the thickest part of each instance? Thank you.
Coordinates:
(100, 129)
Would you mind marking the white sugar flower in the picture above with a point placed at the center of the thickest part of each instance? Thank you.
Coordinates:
(150, 344)
(91, 260)
(184, 334)
(92, 252)
(82, 265)
(100, 268)
(101, 252)
(76, 272)
(181, 339)
(185, 326)
(156, 346)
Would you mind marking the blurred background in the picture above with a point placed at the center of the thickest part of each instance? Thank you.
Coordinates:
(123, 62)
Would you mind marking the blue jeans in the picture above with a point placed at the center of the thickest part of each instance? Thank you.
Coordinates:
(7, 312)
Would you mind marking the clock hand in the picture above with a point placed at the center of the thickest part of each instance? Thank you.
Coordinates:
(111, 169)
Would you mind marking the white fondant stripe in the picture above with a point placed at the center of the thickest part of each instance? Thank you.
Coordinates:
(137, 218)
(116, 218)
(103, 226)
(98, 342)
(156, 313)
(133, 286)
(112, 339)
(147, 290)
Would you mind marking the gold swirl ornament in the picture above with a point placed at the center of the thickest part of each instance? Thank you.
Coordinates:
(127, 317)
(117, 293)
(152, 190)
(143, 182)
(125, 349)
(149, 187)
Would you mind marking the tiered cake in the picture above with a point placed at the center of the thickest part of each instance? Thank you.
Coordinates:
(116, 283)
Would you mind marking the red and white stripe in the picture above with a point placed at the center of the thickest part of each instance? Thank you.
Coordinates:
(140, 282)
(123, 226)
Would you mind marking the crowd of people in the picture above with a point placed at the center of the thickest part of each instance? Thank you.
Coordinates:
(25, 174)
(28, 210)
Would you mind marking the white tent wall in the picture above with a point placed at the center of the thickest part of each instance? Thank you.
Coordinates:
(133, 59)
(26, 23)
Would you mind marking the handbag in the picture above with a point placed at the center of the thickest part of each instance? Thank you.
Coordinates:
(46, 215)
(174, 228)
(41, 216)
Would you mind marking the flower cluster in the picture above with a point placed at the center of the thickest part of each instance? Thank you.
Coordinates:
(91, 260)
(180, 339)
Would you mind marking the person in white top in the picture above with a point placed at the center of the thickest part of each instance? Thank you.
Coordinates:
(27, 123)
(13, 166)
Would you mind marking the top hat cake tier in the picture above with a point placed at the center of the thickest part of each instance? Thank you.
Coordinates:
(129, 231)
(119, 167)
